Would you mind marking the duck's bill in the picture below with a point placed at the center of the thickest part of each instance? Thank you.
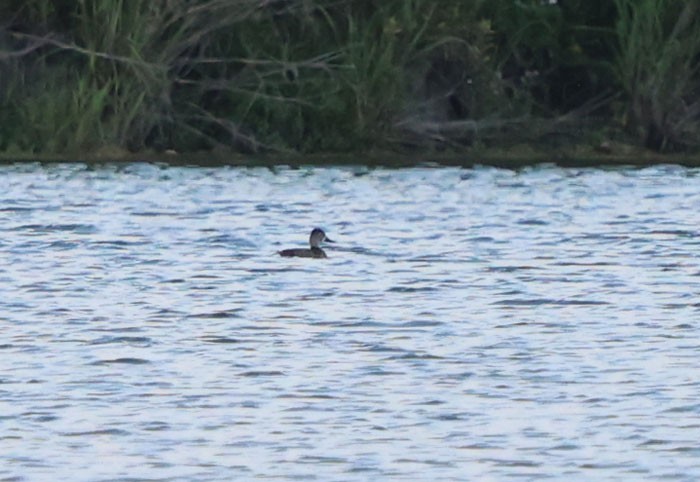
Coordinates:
(328, 240)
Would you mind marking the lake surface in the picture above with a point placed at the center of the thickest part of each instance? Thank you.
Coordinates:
(469, 324)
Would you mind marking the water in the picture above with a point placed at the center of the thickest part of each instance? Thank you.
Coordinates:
(470, 324)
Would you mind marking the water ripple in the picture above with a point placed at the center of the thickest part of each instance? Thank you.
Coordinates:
(469, 324)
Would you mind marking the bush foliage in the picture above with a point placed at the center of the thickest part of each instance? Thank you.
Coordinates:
(344, 75)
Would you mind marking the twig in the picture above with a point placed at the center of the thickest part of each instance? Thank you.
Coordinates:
(82, 50)
(34, 45)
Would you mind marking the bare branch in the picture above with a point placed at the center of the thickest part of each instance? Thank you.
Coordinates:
(33, 45)
(82, 50)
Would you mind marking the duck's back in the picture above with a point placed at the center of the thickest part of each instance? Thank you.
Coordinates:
(303, 253)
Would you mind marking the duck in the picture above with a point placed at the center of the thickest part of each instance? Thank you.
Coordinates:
(315, 239)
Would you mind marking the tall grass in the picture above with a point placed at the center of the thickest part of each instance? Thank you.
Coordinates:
(329, 75)
(658, 62)
(112, 74)
(303, 75)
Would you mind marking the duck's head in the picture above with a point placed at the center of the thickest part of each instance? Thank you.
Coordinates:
(317, 237)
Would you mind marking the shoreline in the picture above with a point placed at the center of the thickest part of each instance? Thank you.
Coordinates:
(511, 158)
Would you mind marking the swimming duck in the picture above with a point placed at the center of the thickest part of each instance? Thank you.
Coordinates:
(315, 239)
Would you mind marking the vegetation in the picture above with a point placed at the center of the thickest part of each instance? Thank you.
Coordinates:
(302, 76)
(657, 64)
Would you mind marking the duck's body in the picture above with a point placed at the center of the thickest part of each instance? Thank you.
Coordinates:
(315, 239)
(303, 253)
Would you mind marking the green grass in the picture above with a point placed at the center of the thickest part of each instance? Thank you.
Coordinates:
(657, 63)
(339, 75)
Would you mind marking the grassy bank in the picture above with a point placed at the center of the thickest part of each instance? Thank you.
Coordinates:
(118, 78)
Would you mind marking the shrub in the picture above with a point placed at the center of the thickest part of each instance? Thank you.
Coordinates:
(657, 63)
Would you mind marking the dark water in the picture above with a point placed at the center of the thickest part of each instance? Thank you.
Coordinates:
(470, 324)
